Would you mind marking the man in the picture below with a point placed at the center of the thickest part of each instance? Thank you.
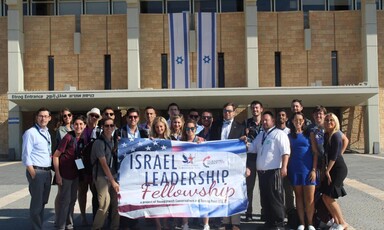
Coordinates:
(206, 121)
(36, 156)
(173, 110)
(131, 130)
(281, 121)
(253, 128)
(273, 150)
(297, 106)
(224, 130)
(194, 115)
(150, 114)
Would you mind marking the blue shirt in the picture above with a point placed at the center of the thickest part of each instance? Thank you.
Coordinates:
(36, 148)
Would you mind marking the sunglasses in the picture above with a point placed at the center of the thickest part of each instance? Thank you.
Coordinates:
(206, 117)
(94, 115)
(227, 111)
(67, 115)
(193, 116)
(190, 129)
(109, 126)
(329, 120)
(133, 117)
(109, 114)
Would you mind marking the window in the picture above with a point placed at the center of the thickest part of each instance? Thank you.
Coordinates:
(43, 7)
(340, 5)
(96, 7)
(264, 5)
(287, 5)
(232, 5)
(379, 4)
(177, 6)
(119, 7)
(70, 7)
(313, 5)
(205, 6)
(277, 69)
(335, 70)
(25, 7)
(152, 7)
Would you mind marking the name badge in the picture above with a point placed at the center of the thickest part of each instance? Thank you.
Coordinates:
(79, 164)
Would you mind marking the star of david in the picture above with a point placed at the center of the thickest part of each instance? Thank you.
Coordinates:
(179, 60)
(206, 59)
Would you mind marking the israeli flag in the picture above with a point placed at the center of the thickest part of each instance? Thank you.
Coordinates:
(179, 49)
(206, 50)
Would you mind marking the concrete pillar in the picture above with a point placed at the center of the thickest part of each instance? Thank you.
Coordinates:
(251, 43)
(15, 74)
(133, 33)
(370, 73)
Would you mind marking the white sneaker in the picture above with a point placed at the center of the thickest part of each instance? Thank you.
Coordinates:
(310, 227)
(185, 227)
(337, 227)
(206, 227)
(301, 227)
(330, 222)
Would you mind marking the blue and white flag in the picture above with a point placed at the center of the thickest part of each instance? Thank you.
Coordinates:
(163, 178)
(206, 50)
(179, 49)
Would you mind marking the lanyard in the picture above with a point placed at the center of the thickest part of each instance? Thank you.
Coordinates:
(46, 138)
(265, 135)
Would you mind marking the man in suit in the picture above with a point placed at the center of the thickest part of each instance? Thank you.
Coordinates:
(226, 129)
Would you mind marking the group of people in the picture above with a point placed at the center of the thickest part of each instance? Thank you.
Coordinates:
(289, 156)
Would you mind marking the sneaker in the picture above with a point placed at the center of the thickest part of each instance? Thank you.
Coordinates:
(301, 227)
(310, 227)
(330, 222)
(185, 227)
(206, 227)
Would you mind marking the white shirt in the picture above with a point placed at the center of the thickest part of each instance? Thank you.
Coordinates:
(226, 128)
(270, 147)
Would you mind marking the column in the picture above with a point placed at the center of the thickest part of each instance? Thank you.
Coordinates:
(133, 33)
(15, 74)
(370, 73)
(251, 43)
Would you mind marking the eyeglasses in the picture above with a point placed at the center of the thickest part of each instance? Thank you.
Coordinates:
(193, 116)
(43, 116)
(109, 126)
(67, 115)
(206, 117)
(189, 129)
(227, 111)
(109, 114)
(133, 117)
(94, 115)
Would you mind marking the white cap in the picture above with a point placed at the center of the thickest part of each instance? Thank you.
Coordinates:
(95, 111)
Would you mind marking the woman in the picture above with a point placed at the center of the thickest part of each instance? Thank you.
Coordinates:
(91, 132)
(336, 170)
(160, 129)
(104, 160)
(189, 135)
(64, 125)
(62, 128)
(177, 123)
(302, 170)
(65, 161)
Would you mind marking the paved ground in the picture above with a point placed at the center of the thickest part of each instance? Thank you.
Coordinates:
(363, 207)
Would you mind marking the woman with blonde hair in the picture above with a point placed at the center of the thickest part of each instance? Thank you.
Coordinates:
(160, 129)
(177, 123)
(336, 170)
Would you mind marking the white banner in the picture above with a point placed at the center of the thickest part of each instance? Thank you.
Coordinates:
(163, 178)
(179, 49)
(206, 50)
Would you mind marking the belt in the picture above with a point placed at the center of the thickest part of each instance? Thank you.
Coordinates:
(265, 171)
(42, 168)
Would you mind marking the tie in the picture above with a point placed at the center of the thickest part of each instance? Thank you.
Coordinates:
(226, 122)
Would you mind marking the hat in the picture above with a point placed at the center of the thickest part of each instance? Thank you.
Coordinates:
(95, 111)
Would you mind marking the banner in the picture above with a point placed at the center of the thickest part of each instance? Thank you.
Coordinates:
(179, 49)
(206, 50)
(163, 178)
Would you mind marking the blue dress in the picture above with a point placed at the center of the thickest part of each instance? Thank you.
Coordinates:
(301, 160)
